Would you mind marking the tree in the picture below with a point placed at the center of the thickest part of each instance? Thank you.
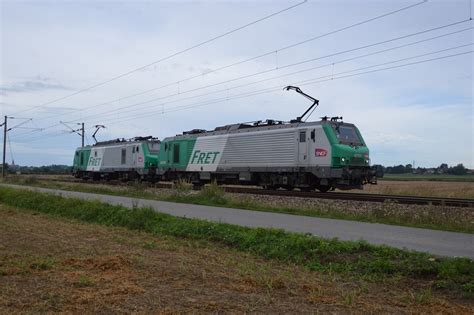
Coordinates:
(443, 168)
(457, 170)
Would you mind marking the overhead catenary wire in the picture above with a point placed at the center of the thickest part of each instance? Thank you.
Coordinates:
(291, 65)
(306, 70)
(260, 56)
(330, 77)
(169, 56)
(276, 89)
(338, 75)
(110, 112)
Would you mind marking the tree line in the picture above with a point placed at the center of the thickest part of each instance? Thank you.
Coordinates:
(459, 169)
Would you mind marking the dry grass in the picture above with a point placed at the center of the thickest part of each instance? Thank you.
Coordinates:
(423, 188)
(53, 265)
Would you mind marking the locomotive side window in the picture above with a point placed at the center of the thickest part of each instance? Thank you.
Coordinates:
(138, 149)
(176, 153)
(313, 135)
(302, 136)
(124, 155)
(82, 158)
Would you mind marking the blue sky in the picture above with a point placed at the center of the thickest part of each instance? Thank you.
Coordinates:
(50, 49)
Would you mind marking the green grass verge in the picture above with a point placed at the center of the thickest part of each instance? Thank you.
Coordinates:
(212, 195)
(357, 258)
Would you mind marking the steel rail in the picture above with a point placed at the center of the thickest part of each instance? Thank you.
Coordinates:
(401, 199)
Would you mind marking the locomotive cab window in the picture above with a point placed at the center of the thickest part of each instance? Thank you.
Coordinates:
(82, 158)
(302, 136)
(138, 149)
(347, 135)
(176, 153)
(124, 156)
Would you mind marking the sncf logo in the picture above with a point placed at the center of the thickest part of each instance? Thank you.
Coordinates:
(320, 152)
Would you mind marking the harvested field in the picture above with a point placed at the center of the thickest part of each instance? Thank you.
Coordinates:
(55, 265)
(422, 188)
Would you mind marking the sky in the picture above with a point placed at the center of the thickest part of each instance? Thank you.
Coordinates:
(419, 110)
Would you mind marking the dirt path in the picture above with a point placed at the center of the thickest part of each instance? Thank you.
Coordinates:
(55, 265)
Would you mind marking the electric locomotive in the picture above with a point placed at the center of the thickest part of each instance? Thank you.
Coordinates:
(323, 155)
(133, 159)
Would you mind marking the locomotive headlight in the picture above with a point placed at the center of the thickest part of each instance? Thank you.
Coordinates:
(343, 160)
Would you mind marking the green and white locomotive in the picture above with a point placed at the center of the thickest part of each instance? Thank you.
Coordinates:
(132, 159)
(321, 155)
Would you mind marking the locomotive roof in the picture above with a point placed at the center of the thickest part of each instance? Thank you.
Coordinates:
(123, 141)
(255, 126)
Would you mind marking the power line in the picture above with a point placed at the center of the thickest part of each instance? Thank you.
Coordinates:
(283, 67)
(169, 56)
(292, 73)
(261, 55)
(290, 65)
(305, 82)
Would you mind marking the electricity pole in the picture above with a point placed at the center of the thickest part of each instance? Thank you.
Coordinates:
(4, 144)
(76, 131)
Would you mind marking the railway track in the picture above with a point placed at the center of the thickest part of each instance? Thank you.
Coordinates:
(435, 201)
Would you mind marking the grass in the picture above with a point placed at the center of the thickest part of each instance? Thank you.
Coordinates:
(330, 256)
(180, 275)
(431, 217)
(428, 177)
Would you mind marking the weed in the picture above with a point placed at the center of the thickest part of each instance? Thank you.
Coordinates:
(214, 194)
(42, 264)
(83, 281)
(183, 186)
(349, 297)
(150, 245)
(52, 301)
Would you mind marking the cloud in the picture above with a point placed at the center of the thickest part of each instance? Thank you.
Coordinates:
(36, 84)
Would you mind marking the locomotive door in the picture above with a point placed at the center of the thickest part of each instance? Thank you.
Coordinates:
(134, 156)
(302, 148)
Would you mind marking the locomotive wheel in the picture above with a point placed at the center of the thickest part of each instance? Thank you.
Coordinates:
(324, 188)
(269, 187)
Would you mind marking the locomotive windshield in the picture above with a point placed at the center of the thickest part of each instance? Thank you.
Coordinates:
(154, 147)
(347, 134)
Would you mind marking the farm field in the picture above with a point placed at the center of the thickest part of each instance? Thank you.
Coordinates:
(424, 188)
(428, 177)
(52, 264)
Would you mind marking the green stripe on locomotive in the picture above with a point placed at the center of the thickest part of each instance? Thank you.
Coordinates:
(346, 155)
(151, 159)
(81, 158)
(175, 153)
